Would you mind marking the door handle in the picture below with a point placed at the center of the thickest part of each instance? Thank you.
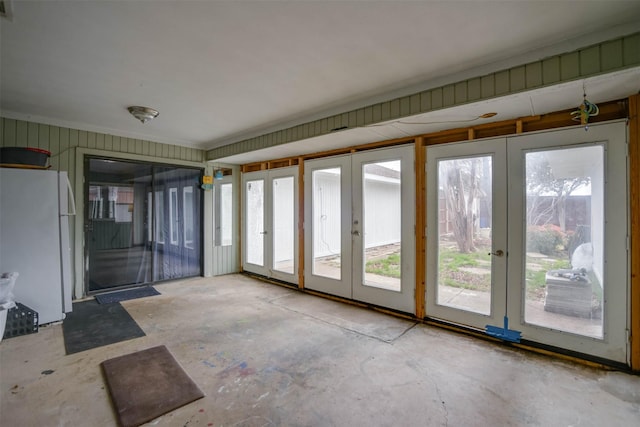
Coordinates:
(355, 233)
(263, 232)
(499, 252)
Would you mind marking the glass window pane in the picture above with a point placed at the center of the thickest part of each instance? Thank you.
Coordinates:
(119, 215)
(283, 224)
(159, 220)
(173, 215)
(226, 214)
(381, 202)
(464, 234)
(326, 223)
(254, 239)
(565, 239)
(187, 203)
(149, 216)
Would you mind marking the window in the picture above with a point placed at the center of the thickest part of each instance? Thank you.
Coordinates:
(159, 208)
(173, 215)
(187, 203)
(223, 213)
(226, 214)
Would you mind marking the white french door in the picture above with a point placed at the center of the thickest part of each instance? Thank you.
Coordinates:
(360, 227)
(467, 232)
(270, 223)
(533, 228)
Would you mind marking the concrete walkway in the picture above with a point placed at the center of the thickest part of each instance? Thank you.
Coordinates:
(265, 355)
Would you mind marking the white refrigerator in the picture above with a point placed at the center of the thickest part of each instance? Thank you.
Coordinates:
(34, 239)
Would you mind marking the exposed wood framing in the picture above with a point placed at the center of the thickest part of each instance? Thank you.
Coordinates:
(421, 217)
(634, 190)
(300, 223)
(471, 134)
(250, 167)
(608, 111)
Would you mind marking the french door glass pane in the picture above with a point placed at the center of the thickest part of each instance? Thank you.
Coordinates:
(565, 239)
(283, 224)
(255, 222)
(174, 218)
(159, 220)
(177, 249)
(381, 203)
(187, 200)
(464, 233)
(326, 223)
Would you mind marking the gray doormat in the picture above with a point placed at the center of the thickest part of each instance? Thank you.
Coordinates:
(111, 297)
(92, 325)
(147, 384)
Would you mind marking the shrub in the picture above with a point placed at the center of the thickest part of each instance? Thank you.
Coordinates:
(545, 239)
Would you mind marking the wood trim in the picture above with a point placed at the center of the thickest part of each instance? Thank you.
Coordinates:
(634, 196)
(519, 126)
(420, 228)
(300, 223)
(282, 162)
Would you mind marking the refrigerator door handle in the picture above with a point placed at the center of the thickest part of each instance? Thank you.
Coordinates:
(71, 198)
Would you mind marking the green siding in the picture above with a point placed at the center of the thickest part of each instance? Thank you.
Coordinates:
(608, 56)
(502, 82)
(518, 79)
(533, 73)
(590, 60)
(631, 50)
(611, 55)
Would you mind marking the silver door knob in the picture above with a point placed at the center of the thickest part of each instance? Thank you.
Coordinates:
(499, 252)
(355, 233)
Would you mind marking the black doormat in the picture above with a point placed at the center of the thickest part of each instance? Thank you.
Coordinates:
(92, 325)
(111, 297)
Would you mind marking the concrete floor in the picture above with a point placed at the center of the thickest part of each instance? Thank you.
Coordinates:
(265, 355)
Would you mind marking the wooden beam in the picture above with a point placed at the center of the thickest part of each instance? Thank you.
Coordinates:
(471, 134)
(519, 126)
(634, 195)
(300, 223)
(420, 227)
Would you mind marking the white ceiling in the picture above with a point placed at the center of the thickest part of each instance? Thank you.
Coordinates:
(223, 71)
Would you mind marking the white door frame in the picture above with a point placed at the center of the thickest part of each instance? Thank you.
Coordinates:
(268, 177)
(351, 281)
(496, 149)
(613, 137)
(614, 345)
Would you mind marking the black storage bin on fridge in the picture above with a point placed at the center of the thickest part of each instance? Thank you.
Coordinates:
(24, 156)
(21, 320)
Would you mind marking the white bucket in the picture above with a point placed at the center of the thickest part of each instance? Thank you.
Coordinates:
(3, 321)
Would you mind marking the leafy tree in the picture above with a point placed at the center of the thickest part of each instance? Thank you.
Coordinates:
(546, 193)
(460, 180)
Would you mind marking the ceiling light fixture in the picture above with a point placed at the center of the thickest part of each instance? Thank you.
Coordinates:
(144, 114)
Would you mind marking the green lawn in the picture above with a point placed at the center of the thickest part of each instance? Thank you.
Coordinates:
(453, 263)
(471, 270)
(388, 266)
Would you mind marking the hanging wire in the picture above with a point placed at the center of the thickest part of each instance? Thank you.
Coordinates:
(585, 110)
